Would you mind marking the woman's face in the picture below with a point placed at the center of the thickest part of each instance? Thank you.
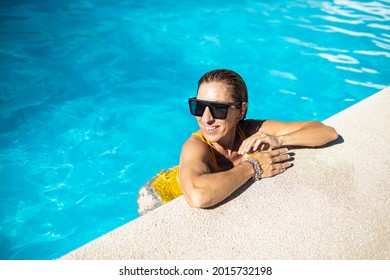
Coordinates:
(216, 129)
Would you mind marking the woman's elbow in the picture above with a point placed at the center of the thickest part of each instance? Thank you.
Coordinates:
(329, 136)
(197, 200)
(333, 135)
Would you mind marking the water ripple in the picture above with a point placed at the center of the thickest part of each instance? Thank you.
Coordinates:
(330, 28)
(366, 84)
(373, 11)
(373, 53)
(379, 26)
(339, 58)
(313, 45)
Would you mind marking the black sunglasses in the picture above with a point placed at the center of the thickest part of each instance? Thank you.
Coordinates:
(218, 110)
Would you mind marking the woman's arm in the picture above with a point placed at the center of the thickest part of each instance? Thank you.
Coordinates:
(203, 189)
(310, 133)
(276, 134)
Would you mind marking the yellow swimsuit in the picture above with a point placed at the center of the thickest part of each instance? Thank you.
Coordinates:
(166, 184)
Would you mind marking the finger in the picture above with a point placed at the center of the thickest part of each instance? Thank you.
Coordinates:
(249, 145)
(282, 166)
(260, 144)
(256, 144)
(277, 171)
(243, 147)
(280, 158)
(265, 147)
(279, 151)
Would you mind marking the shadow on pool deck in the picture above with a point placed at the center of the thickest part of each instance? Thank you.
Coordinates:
(333, 204)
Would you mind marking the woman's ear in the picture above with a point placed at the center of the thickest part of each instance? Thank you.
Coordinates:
(243, 109)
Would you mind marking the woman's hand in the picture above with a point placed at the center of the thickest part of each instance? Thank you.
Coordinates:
(258, 141)
(272, 162)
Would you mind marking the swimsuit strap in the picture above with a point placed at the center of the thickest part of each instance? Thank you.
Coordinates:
(241, 133)
(213, 159)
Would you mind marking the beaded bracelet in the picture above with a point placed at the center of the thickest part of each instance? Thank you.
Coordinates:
(256, 167)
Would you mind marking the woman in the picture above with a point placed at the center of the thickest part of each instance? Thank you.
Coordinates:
(228, 151)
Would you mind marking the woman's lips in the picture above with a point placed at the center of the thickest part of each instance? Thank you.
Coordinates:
(210, 129)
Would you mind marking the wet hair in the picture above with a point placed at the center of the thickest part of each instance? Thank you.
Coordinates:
(235, 83)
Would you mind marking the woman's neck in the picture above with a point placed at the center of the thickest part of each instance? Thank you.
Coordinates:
(228, 145)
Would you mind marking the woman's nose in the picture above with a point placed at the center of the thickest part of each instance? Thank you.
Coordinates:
(207, 117)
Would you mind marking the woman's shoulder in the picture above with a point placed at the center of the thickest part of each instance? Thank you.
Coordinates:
(251, 126)
(196, 151)
(196, 141)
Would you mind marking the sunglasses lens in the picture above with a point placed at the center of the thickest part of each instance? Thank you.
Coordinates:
(197, 108)
(218, 111)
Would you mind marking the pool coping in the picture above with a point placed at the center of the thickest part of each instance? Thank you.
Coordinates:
(333, 204)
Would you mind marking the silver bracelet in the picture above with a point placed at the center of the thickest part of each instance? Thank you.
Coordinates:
(256, 167)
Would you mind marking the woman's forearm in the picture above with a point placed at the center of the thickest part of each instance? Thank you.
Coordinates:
(312, 135)
(209, 189)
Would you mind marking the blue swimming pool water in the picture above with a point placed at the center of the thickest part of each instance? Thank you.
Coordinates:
(93, 95)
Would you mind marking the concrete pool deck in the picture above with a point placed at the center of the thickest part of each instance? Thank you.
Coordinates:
(334, 203)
